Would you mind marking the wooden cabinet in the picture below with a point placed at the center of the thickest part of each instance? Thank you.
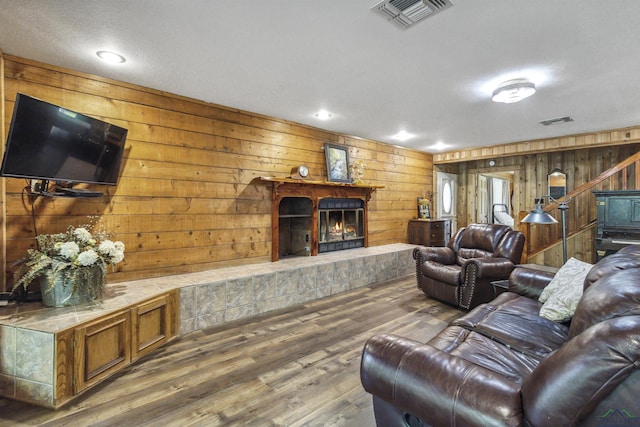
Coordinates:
(433, 232)
(92, 351)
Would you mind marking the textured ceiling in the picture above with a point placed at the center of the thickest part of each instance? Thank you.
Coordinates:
(290, 58)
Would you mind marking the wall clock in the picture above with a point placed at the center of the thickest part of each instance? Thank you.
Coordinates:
(300, 172)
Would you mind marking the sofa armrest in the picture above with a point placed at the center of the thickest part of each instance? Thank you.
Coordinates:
(441, 254)
(489, 268)
(436, 387)
(529, 282)
(477, 273)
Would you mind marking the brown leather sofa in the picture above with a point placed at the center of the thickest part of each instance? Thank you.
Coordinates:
(503, 365)
(461, 273)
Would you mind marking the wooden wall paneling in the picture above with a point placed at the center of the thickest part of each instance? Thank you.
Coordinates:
(472, 183)
(187, 199)
(48, 75)
(541, 172)
(462, 198)
(3, 188)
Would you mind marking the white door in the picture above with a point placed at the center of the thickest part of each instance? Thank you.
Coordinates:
(446, 184)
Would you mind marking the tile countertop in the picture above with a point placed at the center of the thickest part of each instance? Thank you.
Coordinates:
(34, 315)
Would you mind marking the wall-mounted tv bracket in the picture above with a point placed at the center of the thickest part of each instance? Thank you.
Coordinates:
(41, 188)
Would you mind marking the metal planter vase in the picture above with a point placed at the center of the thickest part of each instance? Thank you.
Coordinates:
(72, 286)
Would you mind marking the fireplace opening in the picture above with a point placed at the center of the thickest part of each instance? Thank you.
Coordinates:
(294, 228)
(341, 224)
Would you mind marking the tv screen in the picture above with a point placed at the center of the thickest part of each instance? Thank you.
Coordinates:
(52, 143)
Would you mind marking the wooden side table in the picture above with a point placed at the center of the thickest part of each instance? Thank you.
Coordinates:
(429, 232)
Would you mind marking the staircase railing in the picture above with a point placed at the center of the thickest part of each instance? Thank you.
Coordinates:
(582, 212)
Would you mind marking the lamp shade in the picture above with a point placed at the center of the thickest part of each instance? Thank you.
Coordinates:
(539, 216)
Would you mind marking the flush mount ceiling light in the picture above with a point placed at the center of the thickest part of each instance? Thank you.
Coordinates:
(513, 91)
(403, 135)
(323, 115)
(111, 57)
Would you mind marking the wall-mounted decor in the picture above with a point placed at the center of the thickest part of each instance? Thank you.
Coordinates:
(424, 212)
(356, 170)
(557, 184)
(337, 163)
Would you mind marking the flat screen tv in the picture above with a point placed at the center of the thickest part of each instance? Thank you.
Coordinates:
(52, 143)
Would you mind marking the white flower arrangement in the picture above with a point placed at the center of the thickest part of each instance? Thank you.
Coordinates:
(70, 252)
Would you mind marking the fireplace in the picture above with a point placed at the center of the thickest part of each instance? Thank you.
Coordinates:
(312, 217)
(341, 224)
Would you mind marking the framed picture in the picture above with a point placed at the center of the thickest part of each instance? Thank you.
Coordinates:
(337, 163)
(423, 208)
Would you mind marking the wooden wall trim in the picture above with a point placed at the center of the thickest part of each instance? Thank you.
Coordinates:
(603, 138)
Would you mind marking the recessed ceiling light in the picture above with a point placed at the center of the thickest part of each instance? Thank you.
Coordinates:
(513, 91)
(439, 146)
(323, 115)
(111, 57)
(403, 135)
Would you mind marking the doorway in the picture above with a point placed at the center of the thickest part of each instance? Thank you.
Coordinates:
(494, 199)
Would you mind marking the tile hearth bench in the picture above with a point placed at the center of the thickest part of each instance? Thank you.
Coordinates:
(42, 362)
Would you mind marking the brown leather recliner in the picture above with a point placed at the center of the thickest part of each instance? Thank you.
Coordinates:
(461, 273)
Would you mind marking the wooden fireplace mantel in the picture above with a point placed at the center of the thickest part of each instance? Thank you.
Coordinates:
(314, 191)
(290, 187)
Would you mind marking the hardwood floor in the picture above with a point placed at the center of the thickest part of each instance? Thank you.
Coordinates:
(298, 367)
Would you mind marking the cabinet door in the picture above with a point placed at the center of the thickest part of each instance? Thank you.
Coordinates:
(101, 348)
(419, 232)
(152, 324)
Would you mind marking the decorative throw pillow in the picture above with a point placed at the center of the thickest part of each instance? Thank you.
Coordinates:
(561, 296)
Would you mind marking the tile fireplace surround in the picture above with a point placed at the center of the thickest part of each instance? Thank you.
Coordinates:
(207, 299)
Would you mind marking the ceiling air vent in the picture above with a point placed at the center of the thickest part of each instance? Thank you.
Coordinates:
(405, 13)
(556, 121)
